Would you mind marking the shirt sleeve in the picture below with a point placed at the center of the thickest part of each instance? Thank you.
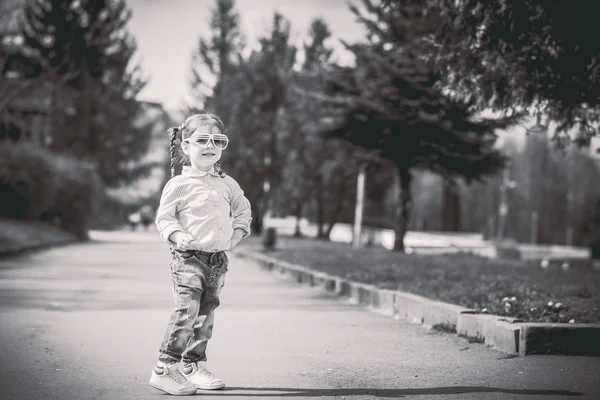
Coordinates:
(240, 208)
(166, 215)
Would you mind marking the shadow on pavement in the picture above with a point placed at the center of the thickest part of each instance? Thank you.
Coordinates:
(381, 393)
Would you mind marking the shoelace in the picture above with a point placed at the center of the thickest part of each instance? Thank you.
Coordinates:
(206, 373)
(176, 375)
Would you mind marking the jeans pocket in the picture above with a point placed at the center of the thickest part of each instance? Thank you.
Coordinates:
(181, 255)
(224, 264)
(219, 269)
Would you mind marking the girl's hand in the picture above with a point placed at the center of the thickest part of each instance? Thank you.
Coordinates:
(238, 234)
(182, 240)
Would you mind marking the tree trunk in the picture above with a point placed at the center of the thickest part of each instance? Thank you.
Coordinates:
(341, 194)
(303, 187)
(256, 225)
(85, 127)
(320, 208)
(451, 207)
(403, 210)
(297, 231)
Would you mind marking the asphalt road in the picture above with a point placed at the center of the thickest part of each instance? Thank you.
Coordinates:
(85, 322)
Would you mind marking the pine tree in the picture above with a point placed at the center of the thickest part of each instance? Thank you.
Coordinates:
(86, 44)
(318, 179)
(389, 103)
(256, 96)
(521, 54)
(216, 58)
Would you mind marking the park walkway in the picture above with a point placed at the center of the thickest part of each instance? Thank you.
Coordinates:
(85, 321)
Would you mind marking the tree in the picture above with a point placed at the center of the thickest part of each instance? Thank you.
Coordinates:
(591, 229)
(215, 68)
(87, 45)
(217, 57)
(554, 191)
(307, 148)
(520, 54)
(253, 97)
(16, 73)
(389, 103)
(451, 210)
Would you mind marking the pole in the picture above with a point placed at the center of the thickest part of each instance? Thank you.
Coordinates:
(358, 211)
(503, 208)
(266, 190)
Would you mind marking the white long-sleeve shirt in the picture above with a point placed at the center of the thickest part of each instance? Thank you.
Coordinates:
(204, 205)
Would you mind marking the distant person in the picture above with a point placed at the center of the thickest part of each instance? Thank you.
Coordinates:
(134, 220)
(202, 213)
(146, 216)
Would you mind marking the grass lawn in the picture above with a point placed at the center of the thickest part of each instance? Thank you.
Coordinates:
(16, 235)
(507, 288)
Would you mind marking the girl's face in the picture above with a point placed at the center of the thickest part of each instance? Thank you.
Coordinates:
(201, 149)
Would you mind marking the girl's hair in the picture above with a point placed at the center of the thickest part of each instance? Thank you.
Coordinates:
(179, 133)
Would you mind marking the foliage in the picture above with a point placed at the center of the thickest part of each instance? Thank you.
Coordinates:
(390, 104)
(94, 114)
(406, 120)
(318, 177)
(19, 235)
(27, 182)
(38, 185)
(518, 54)
(553, 195)
(217, 57)
(533, 293)
(252, 102)
(395, 100)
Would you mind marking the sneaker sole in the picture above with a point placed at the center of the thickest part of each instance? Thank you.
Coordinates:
(214, 387)
(171, 392)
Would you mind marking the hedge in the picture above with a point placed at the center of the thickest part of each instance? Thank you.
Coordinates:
(37, 184)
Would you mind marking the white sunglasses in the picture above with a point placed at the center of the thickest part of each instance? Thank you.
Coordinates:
(219, 140)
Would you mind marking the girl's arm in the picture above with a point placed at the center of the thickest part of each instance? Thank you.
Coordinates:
(240, 209)
(166, 215)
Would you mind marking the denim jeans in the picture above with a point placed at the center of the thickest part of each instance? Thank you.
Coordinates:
(198, 278)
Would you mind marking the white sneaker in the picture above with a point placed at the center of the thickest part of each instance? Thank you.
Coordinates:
(201, 377)
(170, 380)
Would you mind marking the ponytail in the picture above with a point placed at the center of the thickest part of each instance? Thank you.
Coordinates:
(218, 169)
(173, 136)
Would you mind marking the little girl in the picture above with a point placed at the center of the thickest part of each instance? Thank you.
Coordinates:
(202, 213)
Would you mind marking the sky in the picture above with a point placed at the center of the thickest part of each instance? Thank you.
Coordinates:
(167, 31)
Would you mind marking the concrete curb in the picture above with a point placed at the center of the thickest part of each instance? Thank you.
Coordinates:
(509, 335)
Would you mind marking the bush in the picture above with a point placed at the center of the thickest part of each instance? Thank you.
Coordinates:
(39, 184)
(111, 213)
(27, 182)
(77, 190)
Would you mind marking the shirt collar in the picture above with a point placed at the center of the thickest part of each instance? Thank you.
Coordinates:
(193, 172)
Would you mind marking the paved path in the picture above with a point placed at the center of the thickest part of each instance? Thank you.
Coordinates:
(85, 322)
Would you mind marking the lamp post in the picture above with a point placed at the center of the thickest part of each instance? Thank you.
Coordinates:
(363, 159)
(358, 210)
(266, 188)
